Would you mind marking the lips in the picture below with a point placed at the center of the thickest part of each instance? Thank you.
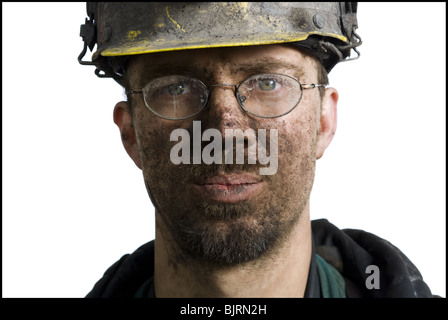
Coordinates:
(229, 188)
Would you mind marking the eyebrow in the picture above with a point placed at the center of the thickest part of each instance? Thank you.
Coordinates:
(164, 69)
(267, 65)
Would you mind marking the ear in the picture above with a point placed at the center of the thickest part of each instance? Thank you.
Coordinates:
(123, 120)
(328, 120)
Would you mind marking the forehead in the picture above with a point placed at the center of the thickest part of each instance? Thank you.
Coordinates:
(232, 60)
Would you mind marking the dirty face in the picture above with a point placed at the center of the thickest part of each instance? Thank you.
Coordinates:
(227, 213)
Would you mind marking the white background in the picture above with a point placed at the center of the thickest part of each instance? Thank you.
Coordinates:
(74, 203)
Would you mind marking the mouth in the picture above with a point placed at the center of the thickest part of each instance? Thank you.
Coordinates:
(229, 188)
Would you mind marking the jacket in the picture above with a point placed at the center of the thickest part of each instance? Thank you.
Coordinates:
(344, 263)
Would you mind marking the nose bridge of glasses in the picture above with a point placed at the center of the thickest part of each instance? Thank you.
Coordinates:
(234, 86)
(220, 100)
(224, 85)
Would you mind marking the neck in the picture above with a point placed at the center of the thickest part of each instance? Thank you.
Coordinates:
(282, 273)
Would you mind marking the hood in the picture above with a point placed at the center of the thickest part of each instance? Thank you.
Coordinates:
(352, 251)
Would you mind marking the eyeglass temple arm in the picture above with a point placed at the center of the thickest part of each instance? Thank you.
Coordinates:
(312, 85)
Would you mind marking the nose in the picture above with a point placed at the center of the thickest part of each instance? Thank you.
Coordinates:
(223, 109)
(224, 113)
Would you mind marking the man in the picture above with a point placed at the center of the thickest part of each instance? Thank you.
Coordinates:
(227, 112)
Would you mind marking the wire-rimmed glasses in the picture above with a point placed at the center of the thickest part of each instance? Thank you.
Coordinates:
(177, 97)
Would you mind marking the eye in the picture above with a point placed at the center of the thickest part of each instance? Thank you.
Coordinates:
(177, 89)
(267, 84)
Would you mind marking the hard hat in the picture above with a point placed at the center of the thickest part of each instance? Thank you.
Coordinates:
(121, 29)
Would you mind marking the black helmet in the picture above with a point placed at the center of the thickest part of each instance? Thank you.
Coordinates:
(120, 29)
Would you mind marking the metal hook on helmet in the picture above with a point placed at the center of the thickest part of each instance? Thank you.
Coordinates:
(353, 46)
(82, 54)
